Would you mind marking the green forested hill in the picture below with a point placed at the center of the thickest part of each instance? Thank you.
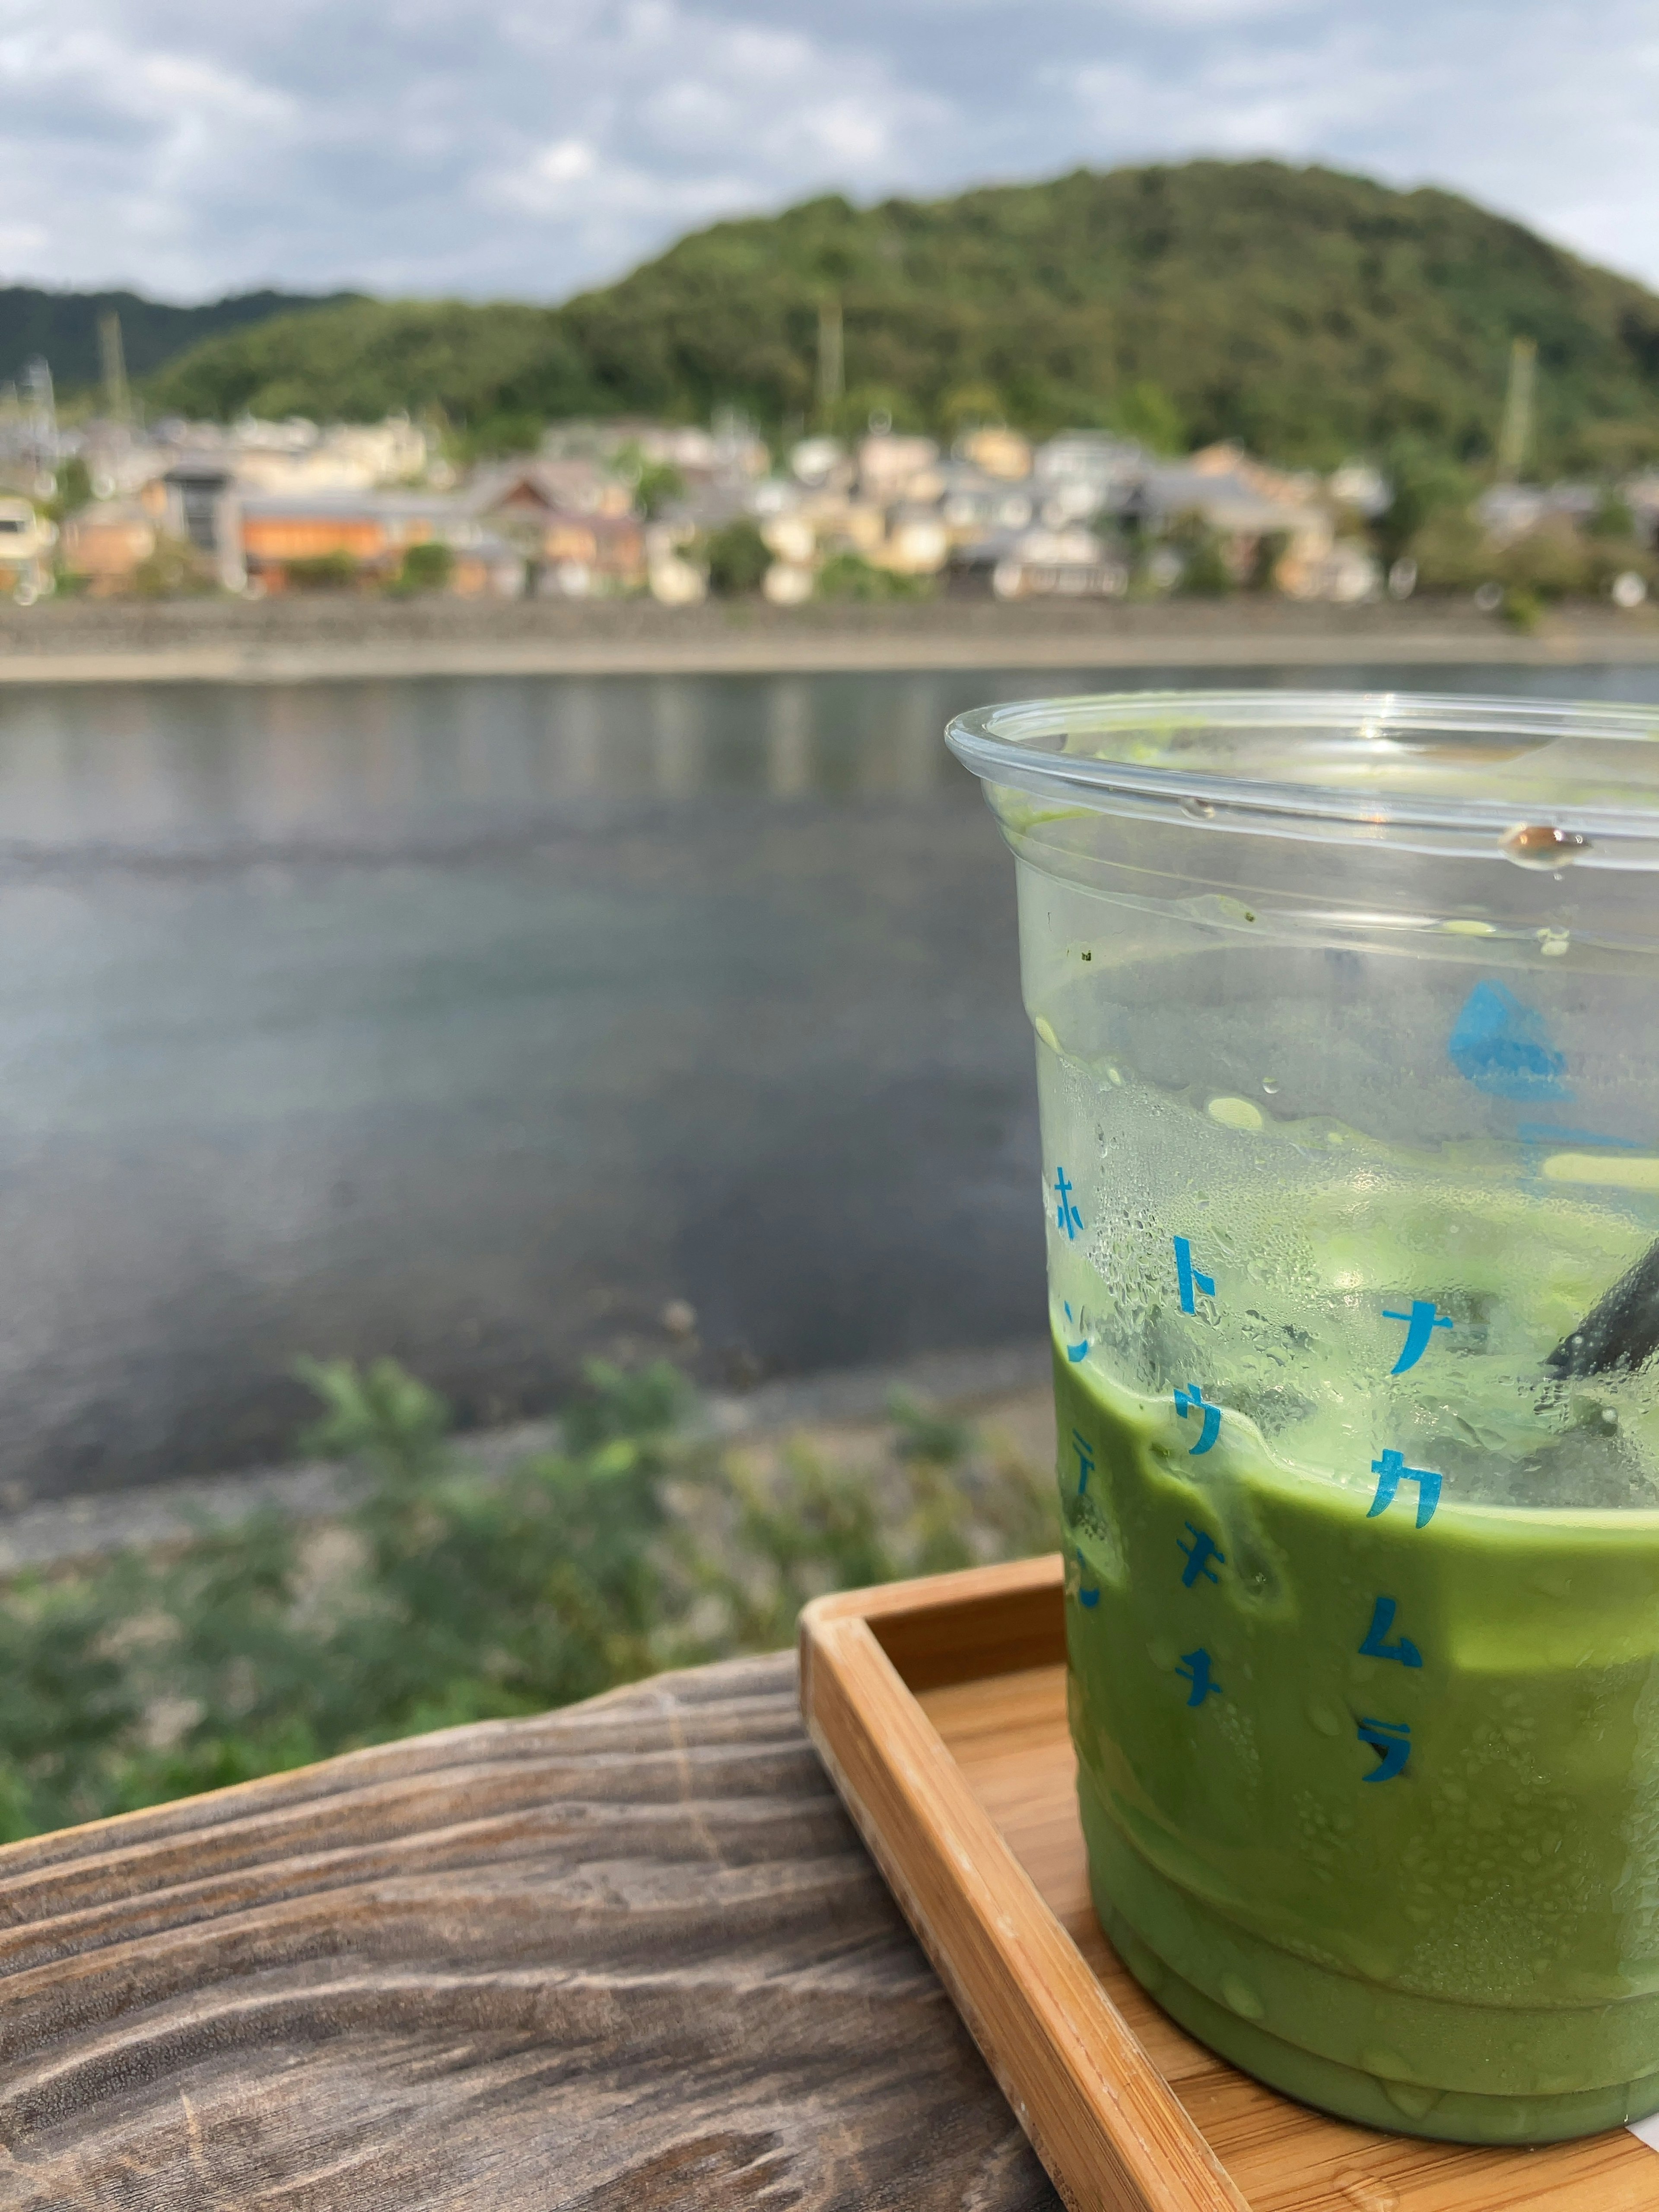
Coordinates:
(62, 327)
(1310, 314)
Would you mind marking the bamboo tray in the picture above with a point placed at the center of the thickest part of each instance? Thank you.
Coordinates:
(940, 1710)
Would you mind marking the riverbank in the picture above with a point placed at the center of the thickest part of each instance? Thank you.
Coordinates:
(449, 1584)
(1005, 1389)
(324, 638)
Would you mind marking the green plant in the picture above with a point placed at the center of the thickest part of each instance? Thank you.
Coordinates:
(427, 566)
(1608, 557)
(1204, 573)
(969, 407)
(1430, 490)
(73, 489)
(1146, 412)
(1612, 517)
(850, 576)
(1451, 552)
(1521, 609)
(779, 1528)
(322, 572)
(657, 484)
(1548, 562)
(443, 1596)
(1270, 549)
(381, 1416)
(496, 436)
(174, 569)
(738, 557)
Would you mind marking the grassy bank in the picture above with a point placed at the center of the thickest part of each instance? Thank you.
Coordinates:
(446, 1596)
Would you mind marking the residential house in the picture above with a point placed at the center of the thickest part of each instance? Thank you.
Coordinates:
(585, 555)
(1640, 493)
(572, 521)
(1245, 502)
(201, 508)
(300, 456)
(1070, 562)
(345, 457)
(1509, 511)
(998, 452)
(108, 541)
(917, 543)
(894, 467)
(27, 541)
(373, 529)
(1079, 474)
(975, 505)
(822, 463)
(729, 448)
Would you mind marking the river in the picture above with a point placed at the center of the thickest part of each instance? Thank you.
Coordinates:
(473, 1021)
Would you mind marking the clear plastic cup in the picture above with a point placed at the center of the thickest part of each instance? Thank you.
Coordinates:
(1347, 1020)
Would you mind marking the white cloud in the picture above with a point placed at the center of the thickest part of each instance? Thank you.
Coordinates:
(532, 146)
(1206, 14)
(543, 185)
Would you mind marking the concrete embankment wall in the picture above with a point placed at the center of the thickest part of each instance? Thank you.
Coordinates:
(329, 636)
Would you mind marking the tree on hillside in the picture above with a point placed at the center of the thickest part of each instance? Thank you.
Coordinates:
(1308, 314)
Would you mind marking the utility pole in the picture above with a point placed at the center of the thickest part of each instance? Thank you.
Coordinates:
(831, 364)
(113, 359)
(1515, 436)
(41, 408)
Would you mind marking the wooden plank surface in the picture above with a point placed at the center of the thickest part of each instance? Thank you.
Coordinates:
(627, 1956)
(999, 1742)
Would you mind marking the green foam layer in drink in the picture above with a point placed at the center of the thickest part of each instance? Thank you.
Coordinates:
(1371, 1798)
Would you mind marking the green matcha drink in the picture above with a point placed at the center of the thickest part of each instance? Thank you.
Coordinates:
(1350, 1822)
(1349, 1096)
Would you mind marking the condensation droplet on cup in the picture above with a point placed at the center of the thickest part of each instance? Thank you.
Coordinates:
(1553, 943)
(1240, 1997)
(1234, 1113)
(1366, 2191)
(1541, 845)
(1200, 809)
(1270, 1086)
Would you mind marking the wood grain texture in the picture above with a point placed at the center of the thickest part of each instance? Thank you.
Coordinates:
(627, 1956)
(985, 1745)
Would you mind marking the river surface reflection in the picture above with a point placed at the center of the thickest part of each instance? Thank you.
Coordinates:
(472, 1021)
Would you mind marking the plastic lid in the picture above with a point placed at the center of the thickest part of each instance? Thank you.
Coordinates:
(1539, 783)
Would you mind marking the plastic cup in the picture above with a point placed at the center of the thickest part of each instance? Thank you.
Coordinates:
(1347, 1021)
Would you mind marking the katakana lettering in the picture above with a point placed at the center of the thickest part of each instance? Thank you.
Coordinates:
(1194, 1669)
(1192, 1401)
(1420, 1324)
(1393, 1471)
(1392, 1741)
(1188, 1278)
(1375, 1645)
(1198, 1555)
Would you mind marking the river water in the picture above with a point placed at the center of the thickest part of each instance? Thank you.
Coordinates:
(473, 1021)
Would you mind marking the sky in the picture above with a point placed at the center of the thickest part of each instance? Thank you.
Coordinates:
(526, 147)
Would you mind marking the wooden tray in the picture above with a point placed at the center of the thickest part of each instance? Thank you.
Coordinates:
(940, 1710)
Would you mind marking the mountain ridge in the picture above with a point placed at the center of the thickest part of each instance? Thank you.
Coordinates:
(1306, 312)
(61, 327)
